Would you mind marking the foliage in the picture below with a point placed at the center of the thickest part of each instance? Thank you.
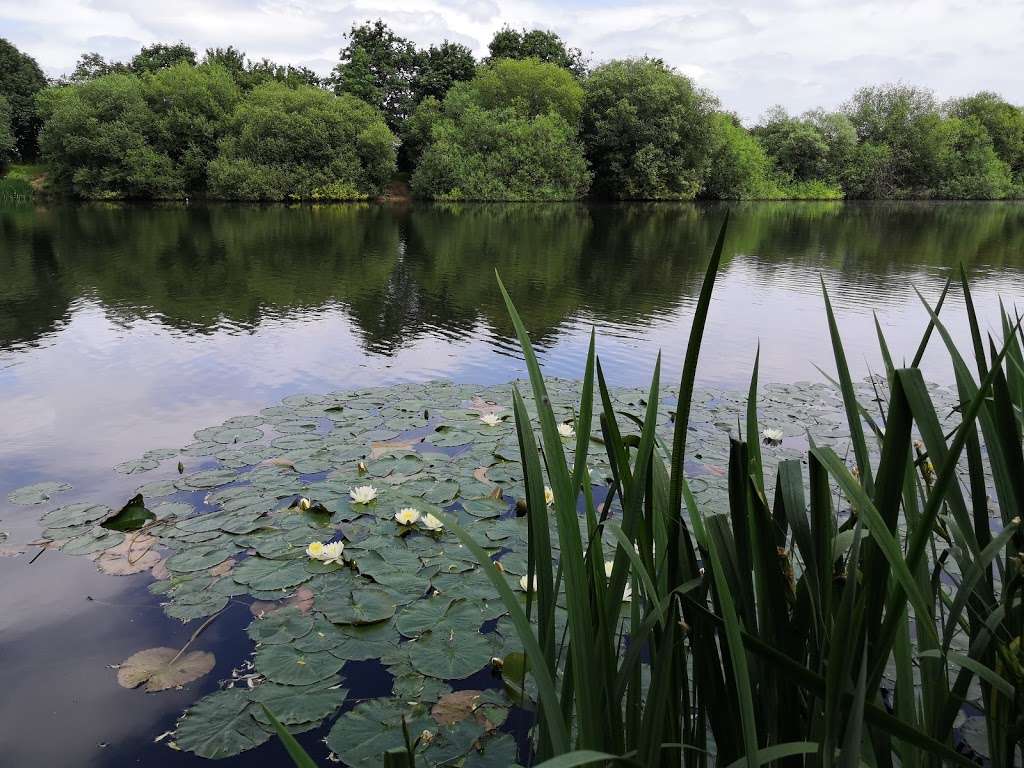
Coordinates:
(507, 134)
(20, 80)
(378, 66)
(439, 67)
(302, 143)
(739, 169)
(8, 144)
(248, 74)
(543, 45)
(153, 58)
(95, 141)
(647, 131)
(769, 629)
(125, 136)
(1003, 122)
(797, 146)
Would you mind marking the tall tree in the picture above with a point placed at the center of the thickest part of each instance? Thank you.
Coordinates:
(153, 58)
(20, 80)
(439, 67)
(542, 44)
(378, 67)
(1003, 122)
(647, 130)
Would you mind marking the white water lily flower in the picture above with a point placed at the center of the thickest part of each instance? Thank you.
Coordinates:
(304, 504)
(491, 419)
(772, 436)
(549, 496)
(363, 494)
(315, 549)
(608, 565)
(565, 430)
(524, 584)
(432, 523)
(331, 553)
(407, 515)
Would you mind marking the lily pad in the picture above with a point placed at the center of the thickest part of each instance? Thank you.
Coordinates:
(286, 665)
(280, 627)
(220, 725)
(163, 668)
(365, 605)
(295, 704)
(130, 517)
(449, 654)
(363, 734)
(261, 574)
(37, 493)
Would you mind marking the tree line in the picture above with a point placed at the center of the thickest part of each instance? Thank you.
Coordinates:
(532, 121)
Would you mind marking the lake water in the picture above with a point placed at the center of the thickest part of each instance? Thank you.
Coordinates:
(125, 328)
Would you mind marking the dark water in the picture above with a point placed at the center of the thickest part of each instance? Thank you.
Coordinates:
(126, 328)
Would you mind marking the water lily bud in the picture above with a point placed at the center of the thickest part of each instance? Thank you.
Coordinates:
(497, 663)
(361, 467)
(426, 737)
(521, 508)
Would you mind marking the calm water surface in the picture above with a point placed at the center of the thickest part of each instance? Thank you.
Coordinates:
(128, 328)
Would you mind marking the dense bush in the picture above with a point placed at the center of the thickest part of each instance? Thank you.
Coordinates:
(121, 135)
(20, 80)
(647, 131)
(508, 134)
(302, 144)
(96, 141)
(739, 168)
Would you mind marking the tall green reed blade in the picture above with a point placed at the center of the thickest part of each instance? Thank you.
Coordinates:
(860, 446)
(592, 714)
(298, 755)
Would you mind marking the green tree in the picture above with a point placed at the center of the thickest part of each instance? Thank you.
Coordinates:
(510, 133)
(190, 108)
(20, 80)
(248, 74)
(541, 44)
(302, 143)
(153, 58)
(8, 144)
(840, 138)
(740, 168)
(647, 130)
(92, 65)
(377, 66)
(95, 141)
(439, 67)
(797, 147)
(972, 169)
(1003, 122)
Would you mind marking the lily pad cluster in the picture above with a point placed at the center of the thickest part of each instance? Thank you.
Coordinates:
(223, 522)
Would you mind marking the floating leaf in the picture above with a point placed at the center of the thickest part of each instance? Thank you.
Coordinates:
(294, 704)
(449, 654)
(455, 707)
(220, 725)
(133, 555)
(37, 493)
(281, 626)
(358, 606)
(262, 574)
(286, 665)
(130, 517)
(163, 668)
(76, 514)
(363, 734)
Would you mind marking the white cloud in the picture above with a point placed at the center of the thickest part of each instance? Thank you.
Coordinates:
(800, 53)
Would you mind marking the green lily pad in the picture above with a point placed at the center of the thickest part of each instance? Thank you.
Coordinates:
(365, 605)
(448, 653)
(76, 514)
(220, 725)
(363, 734)
(294, 704)
(261, 574)
(280, 627)
(288, 666)
(37, 493)
(130, 517)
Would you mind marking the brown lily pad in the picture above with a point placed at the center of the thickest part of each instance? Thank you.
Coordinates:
(163, 668)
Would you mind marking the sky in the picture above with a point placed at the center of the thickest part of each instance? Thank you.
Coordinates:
(752, 53)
